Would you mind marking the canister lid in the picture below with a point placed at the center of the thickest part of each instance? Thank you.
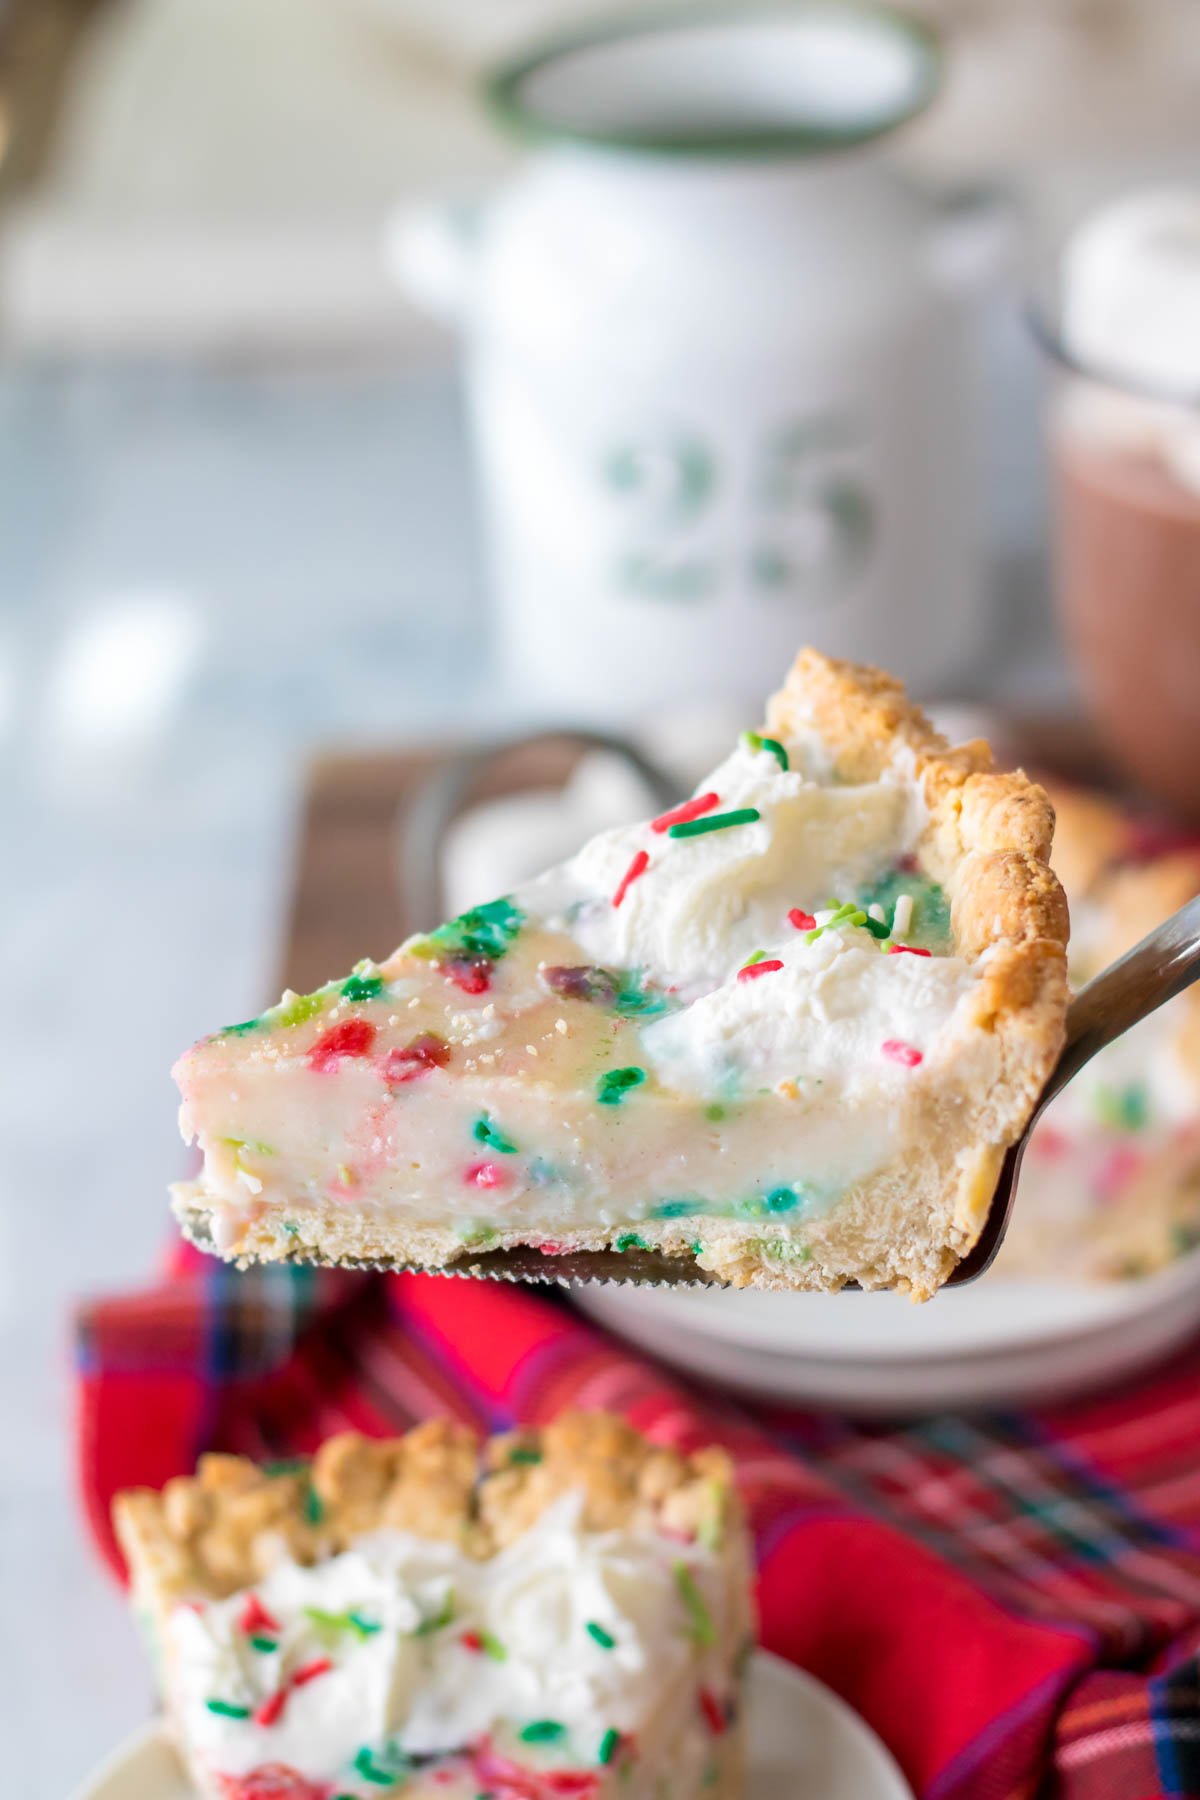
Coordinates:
(762, 80)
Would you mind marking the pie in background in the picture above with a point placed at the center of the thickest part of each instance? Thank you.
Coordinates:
(554, 1613)
(1110, 1184)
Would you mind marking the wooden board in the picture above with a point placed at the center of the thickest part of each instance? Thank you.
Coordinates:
(347, 898)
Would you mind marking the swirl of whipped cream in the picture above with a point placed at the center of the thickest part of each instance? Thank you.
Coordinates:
(430, 1651)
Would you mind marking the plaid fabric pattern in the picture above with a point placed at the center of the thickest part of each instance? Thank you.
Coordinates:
(1012, 1600)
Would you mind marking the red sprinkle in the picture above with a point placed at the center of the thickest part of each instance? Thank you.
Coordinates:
(1047, 1140)
(550, 1248)
(485, 1175)
(509, 1780)
(714, 1716)
(353, 1037)
(255, 1617)
(471, 1640)
(907, 950)
(906, 1054)
(268, 1713)
(270, 1781)
(801, 920)
(681, 815)
(410, 1061)
(1120, 1166)
(320, 1665)
(638, 866)
(472, 977)
(752, 971)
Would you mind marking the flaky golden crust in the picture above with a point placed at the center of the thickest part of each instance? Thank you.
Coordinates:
(987, 843)
(217, 1532)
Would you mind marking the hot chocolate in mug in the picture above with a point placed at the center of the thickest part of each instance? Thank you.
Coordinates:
(717, 359)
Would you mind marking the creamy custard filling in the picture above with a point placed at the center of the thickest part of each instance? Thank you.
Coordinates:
(569, 1657)
(740, 1010)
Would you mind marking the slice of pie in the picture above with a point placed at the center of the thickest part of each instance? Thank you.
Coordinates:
(787, 1028)
(555, 1613)
(1110, 1185)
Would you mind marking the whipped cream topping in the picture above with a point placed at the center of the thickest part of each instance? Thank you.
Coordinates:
(405, 1648)
(820, 1019)
(716, 898)
(1130, 305)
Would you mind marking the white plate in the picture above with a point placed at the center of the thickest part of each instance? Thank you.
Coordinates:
(996, 1343)
(802, 1740)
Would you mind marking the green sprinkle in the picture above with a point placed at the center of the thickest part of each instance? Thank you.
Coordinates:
(1123, 1109)
(605, 1639)
(697, 1248)
(629, 1240)
(362, 987)
(485, 931)
(711, 1533)
(754, 740)
(254, 1145)
(493, 1647)
(784, 1250)
(782, 1199)
(364, 1762)
(674, 1209)
(484, 1132)
(756, 958)
(608, 1745)
(224, 1710)
(524, 1454)
(702, 1631)
(635, 999)
(878, 928)
(474, 1234)
(714, 1114)
(294, 1465)
(744, 815)
(299, 1009)
(314, 1507)
(326, 1621)
(614, 1086)
(239, 1030)
(364, 1627)
(439, 1619)
(842, 912)
(543, 1731)
(263, 1643)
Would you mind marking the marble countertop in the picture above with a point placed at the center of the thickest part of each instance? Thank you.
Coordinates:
(201, 578)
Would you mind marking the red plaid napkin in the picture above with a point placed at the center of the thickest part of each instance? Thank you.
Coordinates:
(1012, 1601)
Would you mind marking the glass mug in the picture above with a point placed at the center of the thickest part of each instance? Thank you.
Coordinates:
(1126, 483)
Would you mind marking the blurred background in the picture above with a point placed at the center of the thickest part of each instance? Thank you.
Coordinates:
(240, 517)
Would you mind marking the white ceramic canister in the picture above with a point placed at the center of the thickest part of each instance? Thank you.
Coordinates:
(717, 374)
